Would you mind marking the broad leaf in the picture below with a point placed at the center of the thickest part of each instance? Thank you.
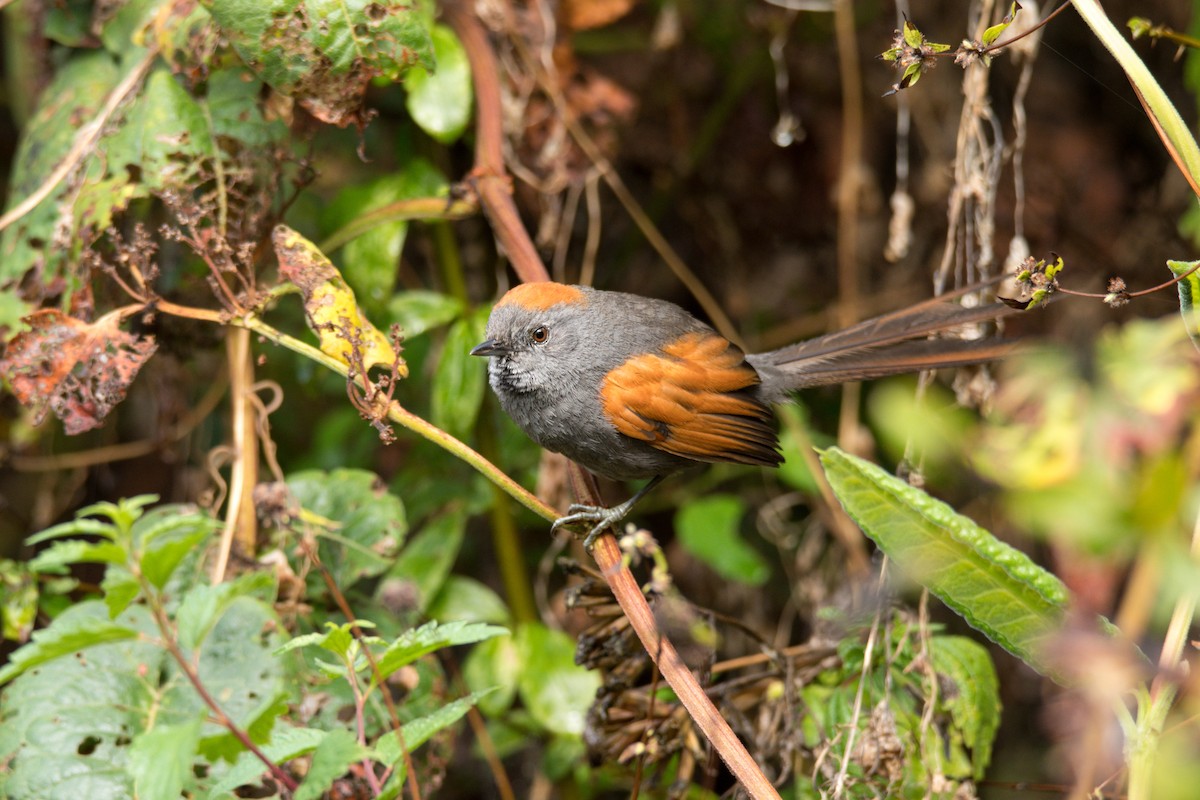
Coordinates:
(160, 760)
(708, 529)
(556, 691)
(286, 743)
(426, 560)
(440, 102)
(69, 634)
(422, 729)
(371, 523)
(996, 588)
(460, 380)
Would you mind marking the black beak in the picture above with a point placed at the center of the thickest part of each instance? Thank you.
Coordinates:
(489, 347)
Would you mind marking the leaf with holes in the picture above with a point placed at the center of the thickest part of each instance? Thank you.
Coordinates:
(324, 53)
(330, 306)
(80, 371)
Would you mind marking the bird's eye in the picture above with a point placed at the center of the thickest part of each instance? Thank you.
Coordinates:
(539, 335)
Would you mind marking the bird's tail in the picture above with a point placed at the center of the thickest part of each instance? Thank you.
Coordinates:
(892, 344)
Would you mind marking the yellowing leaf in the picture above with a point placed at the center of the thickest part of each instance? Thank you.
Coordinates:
(329, 305)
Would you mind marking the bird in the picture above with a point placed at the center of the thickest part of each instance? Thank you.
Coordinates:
(634, 387)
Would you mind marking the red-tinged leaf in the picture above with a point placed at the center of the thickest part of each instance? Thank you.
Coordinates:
(80, 371)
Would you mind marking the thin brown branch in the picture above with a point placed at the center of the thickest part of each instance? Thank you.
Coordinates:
(164, 628)
(513, 237)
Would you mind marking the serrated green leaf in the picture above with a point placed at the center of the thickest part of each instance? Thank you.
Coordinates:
(78, 527)
(353, 41)
(160, 760)
(204, 603)
(419, 310)
(440, 102)
(336, 752)
(460, 380)
(420, 730)
(372, 522)
(120, 589)
(65, 725)
(556, 691)
(77, 551)
(337, 639)
(430, 637)
(975, 702)
(237, 668)
(426, 560)
(708, 529)
(158, 562)
(998, 590)
(66, 636)
(286, 743)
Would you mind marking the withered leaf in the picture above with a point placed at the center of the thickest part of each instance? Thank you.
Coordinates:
(78, 370)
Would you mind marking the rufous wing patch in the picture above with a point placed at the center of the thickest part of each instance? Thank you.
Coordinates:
(692, 400)
(542, 295)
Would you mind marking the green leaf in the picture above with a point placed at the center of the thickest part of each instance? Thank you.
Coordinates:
(708, 529)
(18, 600)
(337, 639)
(419, 731)
(463, 598)
(66, 636)
(998, 590)
(322, 52)
(372, 258)
(204, 603)
(77, 527)
(77, 551)
(460, 380)
(419, 310)
(336, 752)
(494, 664)
(974, 703)
(237, 668)
(159, 561)
(440, 102)
(556, 691)
(1189, 292)
(430, 637)
(65, 725)
(160, 760)
(426, 561)
(120, 589)
(286, 743)
(372, 521)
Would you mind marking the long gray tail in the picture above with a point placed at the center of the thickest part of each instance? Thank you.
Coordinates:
(892, 344)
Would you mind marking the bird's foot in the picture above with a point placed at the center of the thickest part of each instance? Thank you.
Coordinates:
(602, 517)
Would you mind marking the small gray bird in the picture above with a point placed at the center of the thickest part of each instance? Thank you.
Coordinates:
(632, 387)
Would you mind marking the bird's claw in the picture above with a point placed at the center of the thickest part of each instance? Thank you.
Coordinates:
(603, 517)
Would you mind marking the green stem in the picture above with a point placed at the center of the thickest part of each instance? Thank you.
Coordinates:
(425, 208)
(1163, 113)
(406, 419)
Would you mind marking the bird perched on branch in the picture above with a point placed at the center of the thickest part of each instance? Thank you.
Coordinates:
(633, 387)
